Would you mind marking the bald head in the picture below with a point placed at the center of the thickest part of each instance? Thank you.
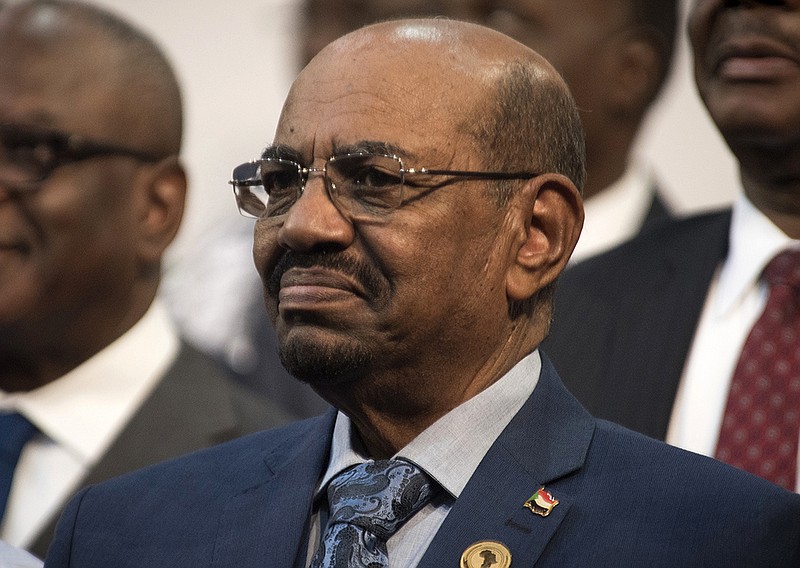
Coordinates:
(506, 101)
(104, 78)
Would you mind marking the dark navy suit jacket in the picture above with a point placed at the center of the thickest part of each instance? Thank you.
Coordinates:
(625, 320)
(624, 500)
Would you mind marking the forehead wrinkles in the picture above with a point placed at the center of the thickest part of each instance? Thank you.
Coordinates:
(319, 116)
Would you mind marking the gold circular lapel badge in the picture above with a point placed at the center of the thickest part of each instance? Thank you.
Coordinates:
(486, 554)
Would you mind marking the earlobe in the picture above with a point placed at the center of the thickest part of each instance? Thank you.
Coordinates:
(162, 190)
(554, 217)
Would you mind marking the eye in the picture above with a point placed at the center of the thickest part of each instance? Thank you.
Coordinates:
(373, 176)
(366, 171)
(25, 151)
(368, 183)
(279, 182)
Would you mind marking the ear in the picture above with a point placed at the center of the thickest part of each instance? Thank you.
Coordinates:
(161, 194)
(637, 71)
(552, 211)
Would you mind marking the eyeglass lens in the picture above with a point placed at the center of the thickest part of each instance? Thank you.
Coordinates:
(358, 184)
(25, 157)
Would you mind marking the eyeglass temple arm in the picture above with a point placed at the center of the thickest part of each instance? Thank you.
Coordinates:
(471, 174)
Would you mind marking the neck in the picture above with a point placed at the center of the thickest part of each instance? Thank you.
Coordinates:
(32, 356)
(606, 162)
(771, 180)
(390, 408)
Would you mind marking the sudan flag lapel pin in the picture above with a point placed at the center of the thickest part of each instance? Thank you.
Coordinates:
(541, 502)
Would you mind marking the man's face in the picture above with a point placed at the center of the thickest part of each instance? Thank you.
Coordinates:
(747, 67)
(420, 288)
(66, 246)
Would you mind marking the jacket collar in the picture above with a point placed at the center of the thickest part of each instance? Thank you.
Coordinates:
(279, 486)
(546, 442)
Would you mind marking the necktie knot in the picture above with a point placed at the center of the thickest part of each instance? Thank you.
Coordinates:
(784, 269)
(368, 504)
(378, 496)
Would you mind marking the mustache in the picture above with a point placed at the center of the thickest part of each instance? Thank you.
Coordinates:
(750, 26)
(366, 275)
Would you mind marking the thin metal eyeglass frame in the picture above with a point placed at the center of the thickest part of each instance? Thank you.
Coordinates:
(305, 172)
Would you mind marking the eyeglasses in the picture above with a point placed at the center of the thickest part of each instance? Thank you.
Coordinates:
(360, 185)
(29, 154)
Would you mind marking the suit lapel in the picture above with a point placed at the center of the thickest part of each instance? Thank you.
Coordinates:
(546, 441)
(659, 314)
(266, 520)
(190, 395)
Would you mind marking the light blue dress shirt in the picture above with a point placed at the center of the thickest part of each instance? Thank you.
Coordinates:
(449, 451)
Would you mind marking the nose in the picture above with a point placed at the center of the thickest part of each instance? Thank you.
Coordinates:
(314, 222)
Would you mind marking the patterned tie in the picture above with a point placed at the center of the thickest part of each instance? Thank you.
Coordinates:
(762, 418)
(15, 431)
(368, 504)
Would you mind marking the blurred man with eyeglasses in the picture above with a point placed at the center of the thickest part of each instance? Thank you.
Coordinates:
(418, 201)
(94, 380)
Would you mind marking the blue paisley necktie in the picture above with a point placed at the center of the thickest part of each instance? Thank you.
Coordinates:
(368, 504)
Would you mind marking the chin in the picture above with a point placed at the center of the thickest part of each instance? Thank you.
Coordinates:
(324, 363)
(754, 115)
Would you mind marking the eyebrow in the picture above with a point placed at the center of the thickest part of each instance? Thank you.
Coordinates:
(285, 152)
(370, 147)
(281, 152)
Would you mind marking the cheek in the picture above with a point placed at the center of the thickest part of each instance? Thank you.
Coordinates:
(266, 254)
(698, 30)
(447, 265)
(85, 245)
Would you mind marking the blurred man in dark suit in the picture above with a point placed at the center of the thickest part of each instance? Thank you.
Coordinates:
(94, 379)
(667, 334)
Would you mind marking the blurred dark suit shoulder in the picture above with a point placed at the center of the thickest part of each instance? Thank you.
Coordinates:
(195, 405)
(624, 321)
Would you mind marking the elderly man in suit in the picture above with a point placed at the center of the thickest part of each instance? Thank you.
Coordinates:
(661, 335)
(417, 203)
(94, 379)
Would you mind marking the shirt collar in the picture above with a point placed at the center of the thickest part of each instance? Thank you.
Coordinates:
(626, 201)
(451, 448)
(85, 409)
(754, 240)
